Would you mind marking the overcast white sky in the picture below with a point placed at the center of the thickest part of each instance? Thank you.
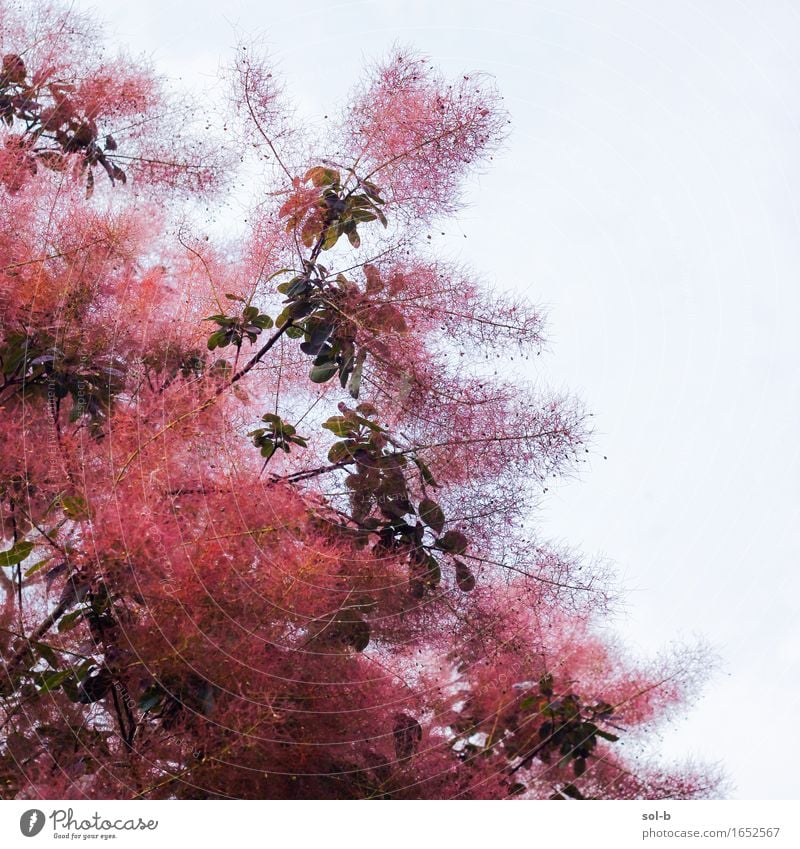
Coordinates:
(653, 170)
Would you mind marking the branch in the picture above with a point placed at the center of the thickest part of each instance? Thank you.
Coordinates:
(255, 358)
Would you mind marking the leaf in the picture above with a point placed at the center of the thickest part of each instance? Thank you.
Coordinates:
(95, 687)
(358, 634)
(546, 685)
(218, 339)
(340, 426)
(607, 735)
(268, 449)
(432, 514)
(52, 160)
(74, 506)
(453, 542)
(374, 282)
(294, 287)
(331, 237)
(339, 452)
(427, 476)
(47, 653)
(151, 697)
(323, 373)
(392, 318)
(572, 791)
(54, 680)
(38, 565)
(309, 232)
(16, 554)
(355, 239)
(432, 573)
(354, 387)
(320, 176)
(70, 621)
(318, 337)
(465, 580)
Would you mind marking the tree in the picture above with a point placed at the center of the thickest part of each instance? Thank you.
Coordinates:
(265, 500)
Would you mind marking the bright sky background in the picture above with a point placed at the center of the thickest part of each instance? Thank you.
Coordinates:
(647, 198)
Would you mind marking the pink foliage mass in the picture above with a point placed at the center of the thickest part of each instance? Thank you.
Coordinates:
(418, 134)
(266, 503)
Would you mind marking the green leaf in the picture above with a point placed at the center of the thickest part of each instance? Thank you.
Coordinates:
(47, 653)
(218, 339)
(331, 237)
(295, 286)
(431, 514)
(38, 565)
(54, 680)
(70, 621)
(16, 554)
(323, 373)
(427, 476)
(355, 239)
(340, 426)
(339, 451)
(74, 506)
(151, 697)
